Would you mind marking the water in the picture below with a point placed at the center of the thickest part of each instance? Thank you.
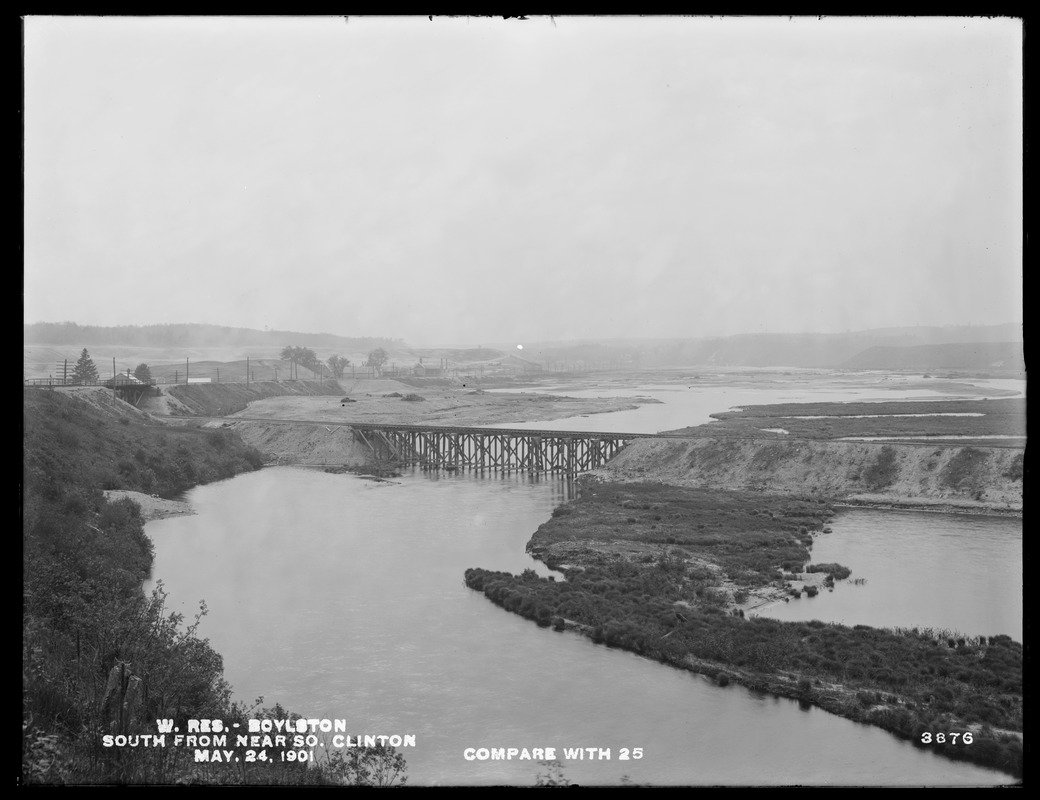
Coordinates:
(343, 598)
(946, 571)
(691, 401)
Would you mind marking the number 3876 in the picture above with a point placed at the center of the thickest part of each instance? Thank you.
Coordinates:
(942, 738)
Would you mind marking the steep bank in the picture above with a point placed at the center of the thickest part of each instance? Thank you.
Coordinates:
(220, 399)
(305, 443)
(968, 478)
(97, 654)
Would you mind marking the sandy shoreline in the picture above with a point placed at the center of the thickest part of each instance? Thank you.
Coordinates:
(152, 507)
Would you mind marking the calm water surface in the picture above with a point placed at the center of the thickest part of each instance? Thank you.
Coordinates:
(343, 598)
(957, 572)
(684, 404)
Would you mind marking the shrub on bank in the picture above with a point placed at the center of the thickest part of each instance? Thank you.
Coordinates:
(884, 471)
(837, 571)
(84, 611)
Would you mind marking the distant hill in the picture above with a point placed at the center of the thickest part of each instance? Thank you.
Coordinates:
(193, 335)
(813, 350)
(831, 350)
(918, 348)
(458, 354)
(990, 356)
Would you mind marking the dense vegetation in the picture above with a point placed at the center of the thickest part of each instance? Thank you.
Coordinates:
(744, 535)
(660, 584)
(72, 450)
(98, 656)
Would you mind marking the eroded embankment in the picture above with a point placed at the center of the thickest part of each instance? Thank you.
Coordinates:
(221, 399)
(965, 478)
(304, 443)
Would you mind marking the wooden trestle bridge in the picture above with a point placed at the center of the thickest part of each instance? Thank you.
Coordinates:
(491, 449)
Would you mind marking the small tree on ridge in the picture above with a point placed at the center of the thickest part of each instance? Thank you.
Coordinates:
(85, 371)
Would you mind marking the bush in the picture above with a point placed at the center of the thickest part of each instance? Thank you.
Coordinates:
(413, 398)
(1015, 470)
(883, 471)
(837, 571)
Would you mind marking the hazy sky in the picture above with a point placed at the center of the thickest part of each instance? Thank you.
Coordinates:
(486, 180)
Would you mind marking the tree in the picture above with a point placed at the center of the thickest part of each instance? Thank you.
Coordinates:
(377, 358)
(142, 373)
(300, 355)
(85, 371)
(307, 357)
(337, 364)
(381, 765)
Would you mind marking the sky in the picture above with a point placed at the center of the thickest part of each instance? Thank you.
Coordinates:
(481, 180)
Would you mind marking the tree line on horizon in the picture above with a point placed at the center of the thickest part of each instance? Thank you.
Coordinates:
(190, 334)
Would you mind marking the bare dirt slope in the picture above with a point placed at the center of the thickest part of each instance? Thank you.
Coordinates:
(102, 399)
(958, 477)
(219, 399)
(304, 443)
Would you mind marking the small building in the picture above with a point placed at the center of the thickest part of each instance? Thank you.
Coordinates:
(422, 370)
(123, 379)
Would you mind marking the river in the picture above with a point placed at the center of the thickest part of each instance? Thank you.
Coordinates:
(689, 398)
(342, 598)
(955, 572)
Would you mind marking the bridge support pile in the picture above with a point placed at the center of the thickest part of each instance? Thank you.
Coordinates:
(491, 449)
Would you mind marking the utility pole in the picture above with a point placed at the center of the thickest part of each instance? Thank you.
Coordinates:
(186, 379)
(247, 372)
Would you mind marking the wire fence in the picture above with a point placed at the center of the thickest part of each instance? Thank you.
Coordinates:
(186, 373)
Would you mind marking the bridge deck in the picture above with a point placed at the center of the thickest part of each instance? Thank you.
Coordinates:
(470, 429)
